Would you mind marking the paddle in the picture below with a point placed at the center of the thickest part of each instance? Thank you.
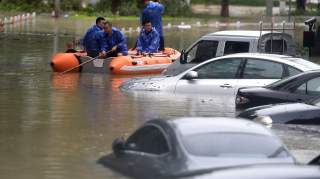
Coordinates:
(81, 64)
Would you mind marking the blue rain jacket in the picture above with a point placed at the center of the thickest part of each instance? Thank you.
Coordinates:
(105, 43)
(153, 13)
(148, 42)
(88, 41)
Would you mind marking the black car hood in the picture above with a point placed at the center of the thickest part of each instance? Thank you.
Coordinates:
(275, 109)
(287, 113)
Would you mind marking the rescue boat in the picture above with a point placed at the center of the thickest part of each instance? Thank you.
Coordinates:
(131, 64)
(143, 64)
(64, 61)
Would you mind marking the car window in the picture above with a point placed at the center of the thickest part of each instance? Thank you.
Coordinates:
(221, 69)
(276, 46)
(262, 69)
(311, 87)
(223, 144)
(293, 71)
(231, 47)
(202, 51)
(148, 139)
(302, 89)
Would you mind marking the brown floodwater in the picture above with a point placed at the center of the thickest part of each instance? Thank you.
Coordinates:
(56, 127)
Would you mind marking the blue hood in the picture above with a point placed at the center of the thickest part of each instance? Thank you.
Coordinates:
(152, 5)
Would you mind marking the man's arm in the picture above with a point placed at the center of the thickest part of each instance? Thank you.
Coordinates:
(139, 43)
(155, 42)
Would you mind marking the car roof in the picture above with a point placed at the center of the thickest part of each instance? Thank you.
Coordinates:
(240, 33)
(266, 171)
(198, 125)
(293, 61)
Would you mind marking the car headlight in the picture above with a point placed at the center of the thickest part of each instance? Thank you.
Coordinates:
(266, 120)
(241, 100)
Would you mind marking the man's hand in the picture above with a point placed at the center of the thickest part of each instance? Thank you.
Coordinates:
(114, 48)
(103, 54)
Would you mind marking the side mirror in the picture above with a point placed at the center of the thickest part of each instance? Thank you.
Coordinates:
(183, 58)
(118, 146)
(191, 75)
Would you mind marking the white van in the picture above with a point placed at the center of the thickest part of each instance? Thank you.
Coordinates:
(229, 42)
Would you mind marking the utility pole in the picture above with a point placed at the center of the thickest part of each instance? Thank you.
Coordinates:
(269, 5)
(56, 8)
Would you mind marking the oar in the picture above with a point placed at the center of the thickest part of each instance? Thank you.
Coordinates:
(81, 64)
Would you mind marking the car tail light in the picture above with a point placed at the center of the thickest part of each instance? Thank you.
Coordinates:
(241, 100)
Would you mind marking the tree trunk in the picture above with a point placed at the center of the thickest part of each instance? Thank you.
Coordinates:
(269, 5)
(115, 5)
(224, 8)
(301, 5)
(56, 8)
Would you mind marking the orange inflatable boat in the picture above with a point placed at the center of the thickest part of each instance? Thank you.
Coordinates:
(143, 64)
(64, 61)
(123, 65)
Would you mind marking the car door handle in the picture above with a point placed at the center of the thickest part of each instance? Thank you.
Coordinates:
(225, 86)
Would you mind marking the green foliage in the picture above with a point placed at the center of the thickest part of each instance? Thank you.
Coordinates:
(236, 2)
(176, 8)
(23, 5)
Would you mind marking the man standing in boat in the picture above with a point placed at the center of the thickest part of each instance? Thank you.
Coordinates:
(148, 41)
(153, 13)
(88, 41)
(111, 42)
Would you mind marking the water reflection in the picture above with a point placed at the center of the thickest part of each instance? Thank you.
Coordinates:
(61, 124)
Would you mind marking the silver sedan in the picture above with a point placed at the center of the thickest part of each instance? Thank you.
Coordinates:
(225, 75)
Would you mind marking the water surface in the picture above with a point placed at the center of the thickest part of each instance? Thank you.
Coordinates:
(56, 127)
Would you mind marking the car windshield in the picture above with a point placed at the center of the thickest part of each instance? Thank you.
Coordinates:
(234, 145)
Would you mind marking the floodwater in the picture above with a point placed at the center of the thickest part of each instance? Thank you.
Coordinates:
(56, 127)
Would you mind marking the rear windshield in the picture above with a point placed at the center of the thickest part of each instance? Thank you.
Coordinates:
(234, 145)
(303, 62)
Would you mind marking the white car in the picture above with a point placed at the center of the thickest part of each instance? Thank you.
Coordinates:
(225, 75)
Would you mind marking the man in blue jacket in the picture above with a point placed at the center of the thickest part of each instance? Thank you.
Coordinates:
(148, 41)
(89, 42)
(153, 12)
(111, 42)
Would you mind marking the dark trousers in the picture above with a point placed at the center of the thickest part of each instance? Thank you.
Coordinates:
(161, 43)
(113, 54)
(92, 54)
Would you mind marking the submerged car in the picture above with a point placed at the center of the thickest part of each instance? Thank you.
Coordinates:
(188, 146)
(299, 88)
(264, 172)
(224, 75)
(307, 113)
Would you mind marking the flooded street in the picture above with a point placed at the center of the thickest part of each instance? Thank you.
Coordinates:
(57, 127)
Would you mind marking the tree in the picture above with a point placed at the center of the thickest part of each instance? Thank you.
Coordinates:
(301, 5)
(56, 8)
(269, 4)
(224, 8)
(115, 5)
